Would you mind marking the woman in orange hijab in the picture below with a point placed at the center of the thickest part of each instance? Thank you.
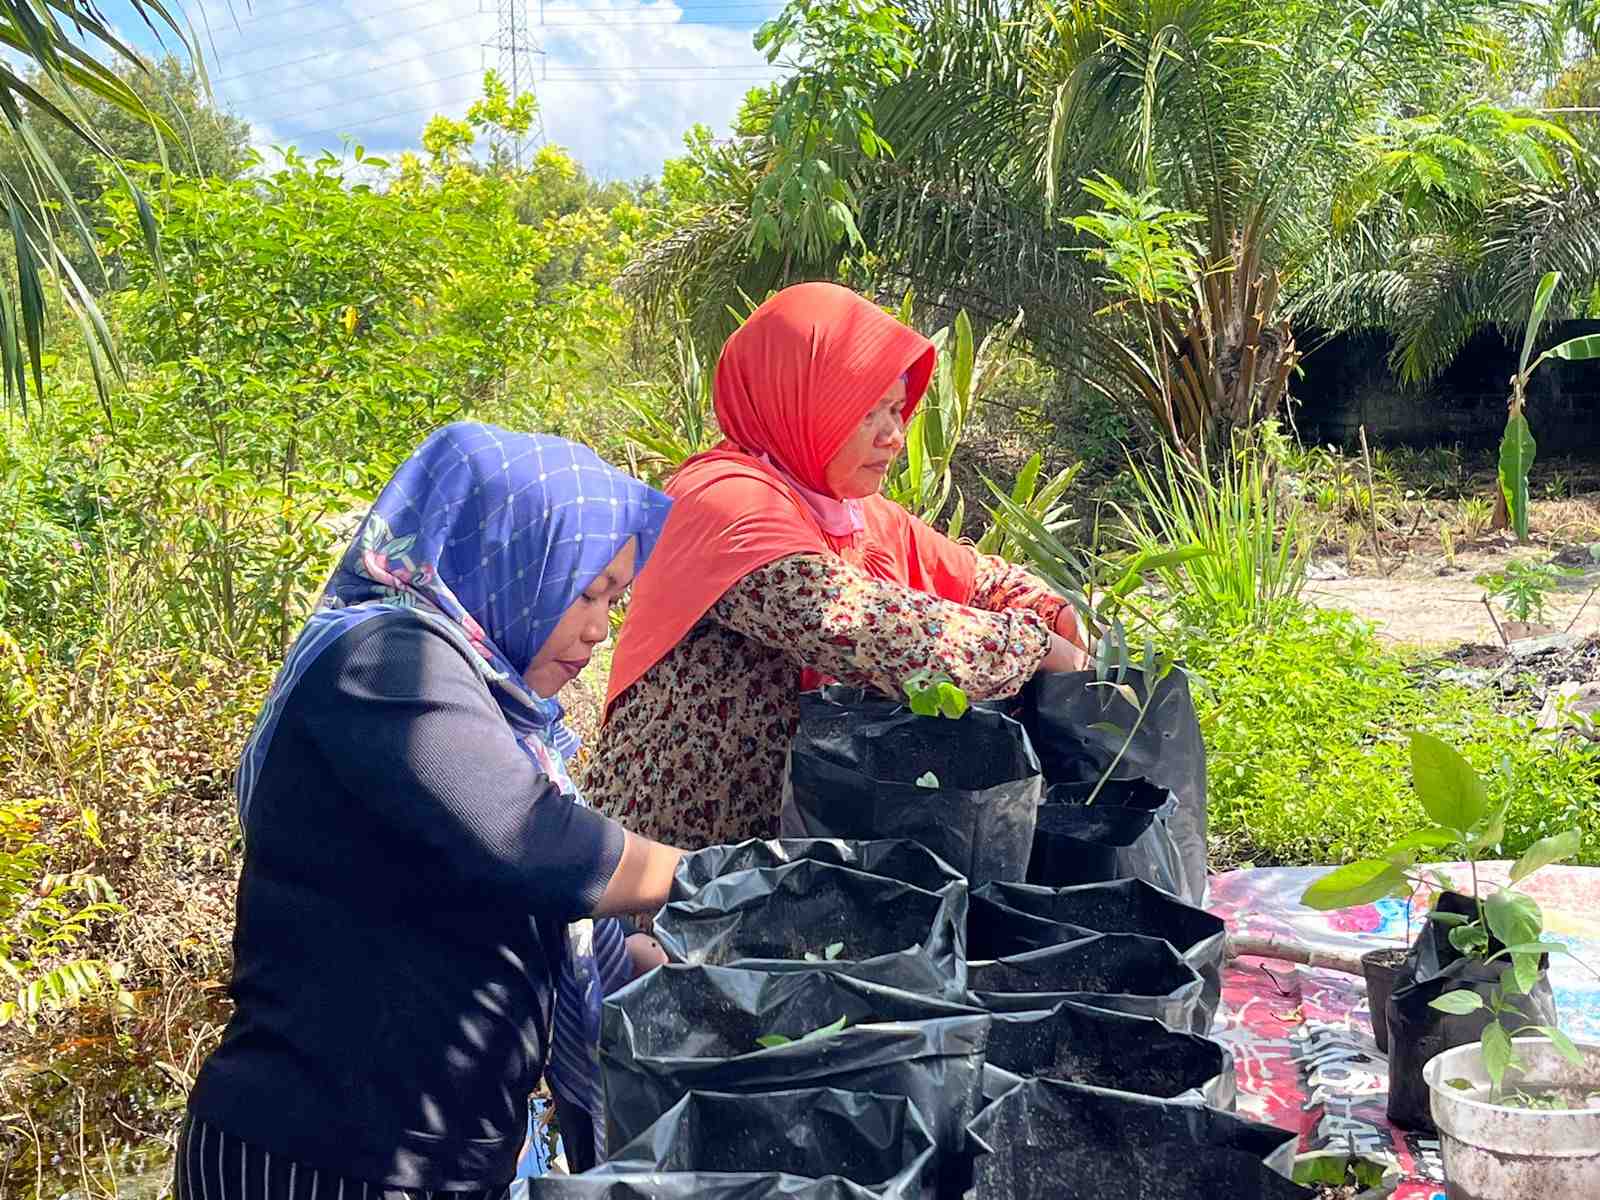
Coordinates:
(781, 565)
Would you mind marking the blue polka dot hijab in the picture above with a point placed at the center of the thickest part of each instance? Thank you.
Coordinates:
(492, 536)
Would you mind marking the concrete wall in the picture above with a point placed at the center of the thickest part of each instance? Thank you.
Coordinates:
(1348, 383)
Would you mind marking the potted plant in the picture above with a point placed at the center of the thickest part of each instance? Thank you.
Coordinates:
(1477, 974)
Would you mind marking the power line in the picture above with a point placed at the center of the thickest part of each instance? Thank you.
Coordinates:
(344, 49)
(308, 34)
(348, 100)
(394, 62)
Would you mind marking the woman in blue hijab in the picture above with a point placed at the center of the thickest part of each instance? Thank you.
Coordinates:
(421, 881)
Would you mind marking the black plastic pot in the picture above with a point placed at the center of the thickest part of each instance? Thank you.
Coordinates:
(1381, 968)
(1046, 1140)
(1116, 971)
(1123, 906)
(1070, 725)
(1097, 1048)
(1124, 834)
(853, 771)
(771, 918)
(1418, 1031)
(681, 1029)
(995, 930)
(798, 1144)
(892, 859)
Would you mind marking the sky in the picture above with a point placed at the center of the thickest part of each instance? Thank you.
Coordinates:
(618, 81)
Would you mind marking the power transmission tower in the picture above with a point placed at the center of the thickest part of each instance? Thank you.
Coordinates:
(517, 49)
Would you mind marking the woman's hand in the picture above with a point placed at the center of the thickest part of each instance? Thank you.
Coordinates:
(644, 953)
(1064, 656)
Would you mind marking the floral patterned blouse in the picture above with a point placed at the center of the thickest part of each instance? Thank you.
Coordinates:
(693, 753)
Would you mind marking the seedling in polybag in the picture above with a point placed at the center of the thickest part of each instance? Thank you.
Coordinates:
(773, 1040)
(933, 694)
(828, 955)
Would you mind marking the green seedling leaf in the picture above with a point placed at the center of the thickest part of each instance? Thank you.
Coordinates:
(1489, 831)
(1523, 975)
(952, 701)
(1458, 1003)
(1426, 839)
(1469, 939)
(1563, 1044)
(1449, 920)
(1517, 450)
(925, 704)
(833, 951)
(1358, 883)
(1449, 789)
(772, 1041)
(1546, 851)
(1460, 1085)
(1513, 918)
(1498, 1053)
(929, 780)
(1109, 727)
(826, 1031)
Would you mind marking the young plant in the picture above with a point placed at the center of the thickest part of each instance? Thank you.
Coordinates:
(773, 1040)
(1517, 446)
(932, 693)
(829, 954)
(1156, 667)
(1523, 588)
(1462, 819)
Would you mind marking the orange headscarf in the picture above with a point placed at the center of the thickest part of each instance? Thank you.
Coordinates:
(793, 383)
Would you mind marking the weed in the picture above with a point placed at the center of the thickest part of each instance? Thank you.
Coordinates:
(1523, 588)
(1476, 514)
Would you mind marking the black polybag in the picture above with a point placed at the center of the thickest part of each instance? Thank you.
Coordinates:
(1124, 834)
(771, 918)
(1060, 712)
(1122, 906)
(1095, 1047)
(1119, 971)
(891, 858)
(681, 1029)
(995, 930)
(853, 770)
(1417, 1031)
(804, 1142)
(1046, 1140)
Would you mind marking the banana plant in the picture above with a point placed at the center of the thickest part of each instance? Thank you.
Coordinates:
(1517, 447)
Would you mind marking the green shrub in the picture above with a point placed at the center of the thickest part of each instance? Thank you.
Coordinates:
(1306, 728)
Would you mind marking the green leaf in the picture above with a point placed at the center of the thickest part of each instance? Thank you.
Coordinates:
(1437, 839)
(827, 1030)
(1449, 789)
(1490, 831)
(1513, 917)
(1498, 1053)
(1546, 851)
(1575, 350)
(1517, 451)
(1448, 919)
(952, 701)
(1563, 1044)
(833, 951)
(1458, 1003)
(1541, 303)
(1358, 883)
(1469, 939)
(1524, 974)
(772, 1041)
(928, 780)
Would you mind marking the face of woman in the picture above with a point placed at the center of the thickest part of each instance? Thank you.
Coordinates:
(858, 468)
(582, 627)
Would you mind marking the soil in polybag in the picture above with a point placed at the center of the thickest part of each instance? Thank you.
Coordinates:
(1124, 834)
(1120, 971)
(997, 931)
(773, 918)
(1418, 1031)
(893, 859)
(683, 1028)
(854, 770)
(1094, 1047)
(1061, 712)
(793, 1141)
(1046, 1140)
(1122, 906)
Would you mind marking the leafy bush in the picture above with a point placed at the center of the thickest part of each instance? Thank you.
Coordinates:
(1306, 727)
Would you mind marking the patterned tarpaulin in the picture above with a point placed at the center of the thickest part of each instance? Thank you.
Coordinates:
(1302, 1036)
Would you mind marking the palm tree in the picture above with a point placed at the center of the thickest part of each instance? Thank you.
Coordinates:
(1241, 111)
(57, 38)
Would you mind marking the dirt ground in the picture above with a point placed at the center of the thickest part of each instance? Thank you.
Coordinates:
(1415, 596)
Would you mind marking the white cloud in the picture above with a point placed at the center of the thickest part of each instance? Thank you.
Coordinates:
(618, 83)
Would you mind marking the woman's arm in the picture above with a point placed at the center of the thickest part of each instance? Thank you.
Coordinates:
(642, 880)
(999, 585)
(833, 618)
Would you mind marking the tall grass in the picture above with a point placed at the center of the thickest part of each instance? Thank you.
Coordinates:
(1256, 539)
